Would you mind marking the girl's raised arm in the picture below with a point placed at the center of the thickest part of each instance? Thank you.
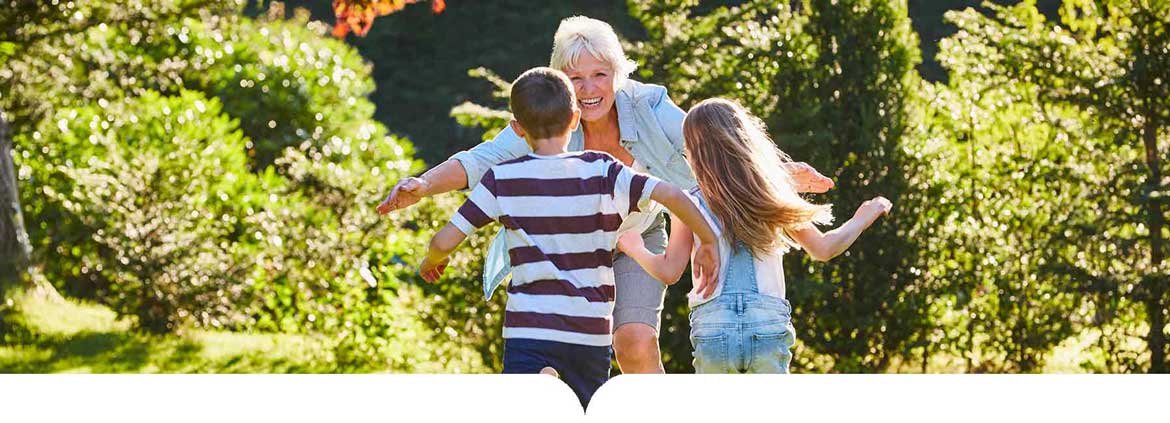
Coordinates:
(825, 246)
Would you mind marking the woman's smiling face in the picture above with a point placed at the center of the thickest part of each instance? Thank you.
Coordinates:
(594, 83)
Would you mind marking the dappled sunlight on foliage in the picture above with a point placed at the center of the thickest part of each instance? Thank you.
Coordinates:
(1000, 253)
(998, 250)
(835, 84)
(202, 169)
(148, 210)
(211, 178)
(1072, 116)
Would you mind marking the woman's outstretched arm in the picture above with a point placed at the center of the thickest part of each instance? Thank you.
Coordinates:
(462, 170)
(446, 177)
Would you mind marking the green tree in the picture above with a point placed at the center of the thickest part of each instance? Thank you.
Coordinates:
(14, 245)
(147, 192)
(835, 82)
(1004, 181)
(279, 79)
(1109, 61)
(865, 85)
(195, 167)
(27, 25)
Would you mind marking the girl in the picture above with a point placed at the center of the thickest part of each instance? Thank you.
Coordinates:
(741, 322)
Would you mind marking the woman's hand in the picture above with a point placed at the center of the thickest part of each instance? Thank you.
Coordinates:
(407, 192)
(807, 178)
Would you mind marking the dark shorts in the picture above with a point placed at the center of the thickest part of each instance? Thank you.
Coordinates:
(584, 368)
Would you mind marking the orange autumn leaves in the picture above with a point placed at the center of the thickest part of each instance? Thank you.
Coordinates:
(358, 15)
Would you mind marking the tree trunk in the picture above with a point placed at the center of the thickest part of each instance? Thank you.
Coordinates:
(1155, 303)
(14, 244)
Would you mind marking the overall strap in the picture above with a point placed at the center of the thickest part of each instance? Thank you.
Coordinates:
(739, 273)
(740, 276)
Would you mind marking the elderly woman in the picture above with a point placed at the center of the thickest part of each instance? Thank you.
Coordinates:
(634, 122)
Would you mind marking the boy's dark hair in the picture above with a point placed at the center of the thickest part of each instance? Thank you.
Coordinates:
(542, 101)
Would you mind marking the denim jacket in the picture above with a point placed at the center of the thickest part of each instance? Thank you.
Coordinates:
(650, 127)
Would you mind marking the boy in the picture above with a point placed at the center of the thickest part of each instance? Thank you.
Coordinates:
(561, 212)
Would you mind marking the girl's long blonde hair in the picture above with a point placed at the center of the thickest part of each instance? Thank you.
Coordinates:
(742, 176)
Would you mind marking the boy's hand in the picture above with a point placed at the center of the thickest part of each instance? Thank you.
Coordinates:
(807, 178)
(431, 271)
(706, 269)
(407, 192)
(631, 241)
(874, 208)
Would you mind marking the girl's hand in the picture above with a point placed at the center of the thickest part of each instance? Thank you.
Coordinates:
(874, 208)
(631, 242)
(706, 269)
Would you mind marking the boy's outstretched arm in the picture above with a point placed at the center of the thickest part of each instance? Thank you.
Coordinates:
(706, 259)
(667, 267)
(442, 245)
(478, 210)
(825, 246)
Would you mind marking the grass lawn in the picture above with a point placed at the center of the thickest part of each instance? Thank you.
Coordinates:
(43, 334)
(47, 335)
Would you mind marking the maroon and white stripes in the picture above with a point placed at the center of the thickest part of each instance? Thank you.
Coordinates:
(553, 225)
(561, 215)
(597, 294)
(585, 325)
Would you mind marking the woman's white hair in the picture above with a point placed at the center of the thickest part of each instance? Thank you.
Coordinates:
(579, 34)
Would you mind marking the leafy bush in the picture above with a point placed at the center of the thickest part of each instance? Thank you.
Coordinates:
(200, 168)
(996, 254)
(1061, 107)
(836, 85)
(146, 195)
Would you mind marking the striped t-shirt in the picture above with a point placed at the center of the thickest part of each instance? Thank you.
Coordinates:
(561, 216)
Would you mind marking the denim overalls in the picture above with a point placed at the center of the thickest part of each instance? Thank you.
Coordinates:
(741, 330)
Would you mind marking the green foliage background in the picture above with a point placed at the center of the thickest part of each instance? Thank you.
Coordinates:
(212, 165)
(204, 169)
